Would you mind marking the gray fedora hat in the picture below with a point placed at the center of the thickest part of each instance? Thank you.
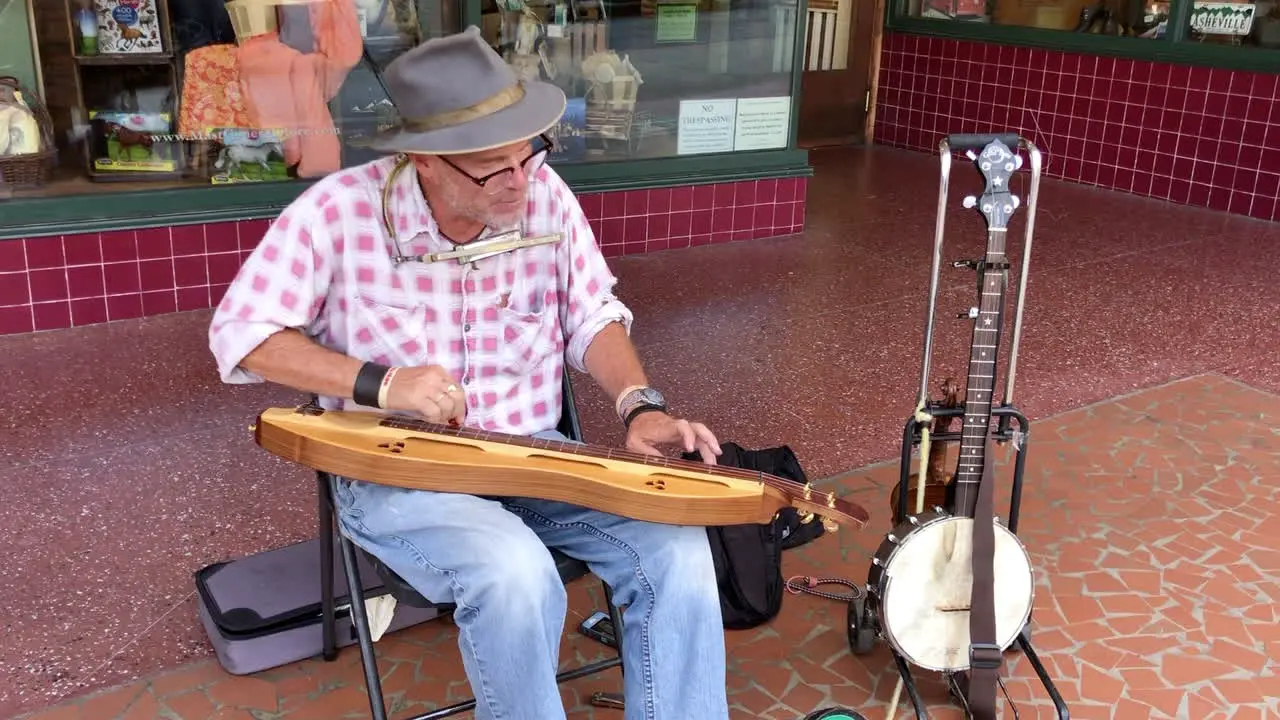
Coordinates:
(455, 94)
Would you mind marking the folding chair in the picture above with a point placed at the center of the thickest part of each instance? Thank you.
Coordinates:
(569, 568)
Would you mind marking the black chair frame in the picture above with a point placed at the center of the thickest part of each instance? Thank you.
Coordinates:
(570, 569)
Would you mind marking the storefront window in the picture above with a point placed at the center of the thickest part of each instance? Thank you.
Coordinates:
(655, 78)
(149, 94)
(156, 94)
(1117, 18)
(1210, 22)
(1247, 24)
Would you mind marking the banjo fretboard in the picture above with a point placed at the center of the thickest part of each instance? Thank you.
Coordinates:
(997, 205)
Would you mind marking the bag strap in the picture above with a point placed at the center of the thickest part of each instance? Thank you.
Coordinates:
(985, 657)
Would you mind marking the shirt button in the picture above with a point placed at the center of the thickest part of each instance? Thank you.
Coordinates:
(467, 327)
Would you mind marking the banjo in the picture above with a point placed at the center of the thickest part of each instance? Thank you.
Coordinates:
(952, 587)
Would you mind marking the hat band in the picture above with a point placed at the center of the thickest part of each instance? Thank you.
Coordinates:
(507, 97)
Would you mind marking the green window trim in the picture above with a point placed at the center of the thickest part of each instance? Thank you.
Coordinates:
(135, 209)
(1173, 48)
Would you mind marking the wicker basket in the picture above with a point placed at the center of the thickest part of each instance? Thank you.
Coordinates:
(31, 169)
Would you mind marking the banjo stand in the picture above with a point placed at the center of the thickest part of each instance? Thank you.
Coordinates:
(951, 588)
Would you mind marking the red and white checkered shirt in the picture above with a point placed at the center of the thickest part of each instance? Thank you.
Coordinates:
(504, 328)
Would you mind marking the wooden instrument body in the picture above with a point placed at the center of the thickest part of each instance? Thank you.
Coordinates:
(922, 577)
(936, 478)
(362, 446)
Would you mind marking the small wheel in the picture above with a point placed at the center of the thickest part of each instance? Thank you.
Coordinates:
(853, 622)
(861, 628)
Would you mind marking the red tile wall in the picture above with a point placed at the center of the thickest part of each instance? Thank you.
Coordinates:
(1191, 135)
(63, 281)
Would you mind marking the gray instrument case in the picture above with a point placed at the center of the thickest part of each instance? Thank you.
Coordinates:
(263, 610)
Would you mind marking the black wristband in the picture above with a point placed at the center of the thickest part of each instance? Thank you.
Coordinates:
(626, 422)
(368, 382)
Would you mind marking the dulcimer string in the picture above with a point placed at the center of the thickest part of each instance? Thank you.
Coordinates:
(587, 450)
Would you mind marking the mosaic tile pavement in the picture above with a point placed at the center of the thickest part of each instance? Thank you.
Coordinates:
(1157, 594)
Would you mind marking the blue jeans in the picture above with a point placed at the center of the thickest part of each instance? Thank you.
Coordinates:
(490, 557)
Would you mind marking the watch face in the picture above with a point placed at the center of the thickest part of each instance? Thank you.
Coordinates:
(653, 397)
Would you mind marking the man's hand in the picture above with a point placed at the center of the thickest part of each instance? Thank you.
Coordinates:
(428, 391)
(650, 429)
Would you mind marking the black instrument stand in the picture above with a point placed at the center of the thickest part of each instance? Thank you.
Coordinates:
(1009, 424)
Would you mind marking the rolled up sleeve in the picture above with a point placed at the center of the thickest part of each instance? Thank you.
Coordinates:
(587, 283)
(282, 284)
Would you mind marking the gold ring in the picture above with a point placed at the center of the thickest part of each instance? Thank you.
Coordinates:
(451, 388)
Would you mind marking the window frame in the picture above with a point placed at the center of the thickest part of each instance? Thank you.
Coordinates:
(1176, 47)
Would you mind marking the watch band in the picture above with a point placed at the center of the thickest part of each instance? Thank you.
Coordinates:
(622, 396)
(640, 397)
(640, 410)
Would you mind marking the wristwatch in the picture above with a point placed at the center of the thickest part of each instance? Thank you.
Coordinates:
(638, 401)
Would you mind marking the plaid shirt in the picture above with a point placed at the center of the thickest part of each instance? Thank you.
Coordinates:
(504, 328)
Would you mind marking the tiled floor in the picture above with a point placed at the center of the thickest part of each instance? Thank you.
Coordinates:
(1158, 583)
(1147, 515)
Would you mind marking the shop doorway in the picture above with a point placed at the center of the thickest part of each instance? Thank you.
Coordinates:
(836, 78)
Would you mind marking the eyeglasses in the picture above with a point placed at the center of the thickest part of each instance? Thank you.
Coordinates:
(542, 146)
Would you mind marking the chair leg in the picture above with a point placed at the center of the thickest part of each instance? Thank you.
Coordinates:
(615, 617)
(328, 619)
(608, 699)
(361, 621)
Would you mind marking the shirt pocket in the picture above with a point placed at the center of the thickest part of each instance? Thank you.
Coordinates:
(392, 328)
(527, 339)
(529, 325)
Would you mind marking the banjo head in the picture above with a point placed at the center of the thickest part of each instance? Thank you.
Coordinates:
(890, 543)
(921, 579)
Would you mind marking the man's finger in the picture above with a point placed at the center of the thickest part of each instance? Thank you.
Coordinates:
(708, 453)
(430, 412)
(706, 436)
(459, 399)
(687, 435)
(641, 446)
(447, 407)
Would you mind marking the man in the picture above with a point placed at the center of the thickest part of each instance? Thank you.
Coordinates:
(324, 306)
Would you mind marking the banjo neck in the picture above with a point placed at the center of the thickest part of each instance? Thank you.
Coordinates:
(993, 279)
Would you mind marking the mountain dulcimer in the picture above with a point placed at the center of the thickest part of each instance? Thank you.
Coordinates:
(412, 453)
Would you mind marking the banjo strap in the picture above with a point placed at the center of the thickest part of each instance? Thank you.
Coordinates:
(985, 657)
